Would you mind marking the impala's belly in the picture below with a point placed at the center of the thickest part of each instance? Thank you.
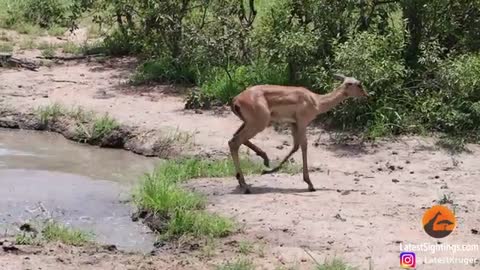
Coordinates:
(284, 114)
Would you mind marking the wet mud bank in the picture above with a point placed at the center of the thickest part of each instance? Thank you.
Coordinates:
(149, 143)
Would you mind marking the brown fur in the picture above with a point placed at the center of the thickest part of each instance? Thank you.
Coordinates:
(260, 105)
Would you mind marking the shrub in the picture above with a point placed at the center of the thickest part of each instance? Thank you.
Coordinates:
(163, 70)
(45, 13)
(375, 60)
(458, 95)
(224, 86)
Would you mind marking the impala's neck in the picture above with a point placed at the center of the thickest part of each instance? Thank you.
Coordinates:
(328, 101)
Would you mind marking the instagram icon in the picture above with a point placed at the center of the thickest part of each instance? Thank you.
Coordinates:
(408, 260)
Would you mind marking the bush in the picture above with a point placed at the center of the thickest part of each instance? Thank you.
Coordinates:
(457, 99)
(45, 13)
(224, 86)
(164, 71)
(376, 60)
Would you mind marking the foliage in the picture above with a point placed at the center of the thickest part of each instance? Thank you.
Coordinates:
(51, 231)
(44, 13)
(55, 232)
(335, 264)
(400, 49)
(377, 62)
(239, 264)
(162, 194)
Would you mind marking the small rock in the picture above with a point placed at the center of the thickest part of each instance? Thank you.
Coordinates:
(346, 192)
(400, 167)
(474, 231)
(412, 172)
(437, 177)
(337, 216)
(395, 180)
(407, 162)
(112, 247)
(280, 147)
(45, 96)
(394, 153)
(303, 260)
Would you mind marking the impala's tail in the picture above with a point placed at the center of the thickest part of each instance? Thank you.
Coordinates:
(236, 109)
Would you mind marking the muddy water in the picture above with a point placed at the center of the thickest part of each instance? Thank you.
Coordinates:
(44, 175)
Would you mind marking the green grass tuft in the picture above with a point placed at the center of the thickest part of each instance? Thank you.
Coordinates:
(240, 264)
(103, 126)
(6, 47)
(245, 247)
(54, 232)
(26, 239)
(335, 264)
(161, 193)
(198, 224)
(50, 113)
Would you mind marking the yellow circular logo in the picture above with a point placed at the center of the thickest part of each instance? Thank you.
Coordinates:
(439, 221)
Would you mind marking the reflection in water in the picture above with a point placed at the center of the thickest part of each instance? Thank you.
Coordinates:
(51, 152)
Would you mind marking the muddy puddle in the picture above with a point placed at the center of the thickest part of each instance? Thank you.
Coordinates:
(43, 175)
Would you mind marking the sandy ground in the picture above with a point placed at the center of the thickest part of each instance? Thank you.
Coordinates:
(370, 198)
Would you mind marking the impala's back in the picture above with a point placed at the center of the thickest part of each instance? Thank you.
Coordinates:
(281, 102)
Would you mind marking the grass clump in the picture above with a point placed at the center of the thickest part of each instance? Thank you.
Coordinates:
(55, 232)
(240, 264)
(335, 264)
(161, 194)
(51, 231)
(6, 47)
(245, 247)
(95, 129)
(198, 224)
(453, 144)
(89, 128)
(50, 113)
(103, 126)
(26, 239)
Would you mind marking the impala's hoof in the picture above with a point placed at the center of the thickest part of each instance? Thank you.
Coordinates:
(266, 163)
(311, 189)
(247, 191)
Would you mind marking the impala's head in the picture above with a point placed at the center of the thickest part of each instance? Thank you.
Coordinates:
(351, 86)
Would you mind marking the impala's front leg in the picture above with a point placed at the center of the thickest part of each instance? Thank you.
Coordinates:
(306, 176)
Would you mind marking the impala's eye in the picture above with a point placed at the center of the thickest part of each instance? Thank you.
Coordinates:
(360, 86)
(349, 84)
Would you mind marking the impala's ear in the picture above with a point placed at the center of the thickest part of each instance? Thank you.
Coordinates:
(339, 77)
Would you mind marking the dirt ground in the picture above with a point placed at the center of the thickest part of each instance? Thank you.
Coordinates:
(370, 198)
